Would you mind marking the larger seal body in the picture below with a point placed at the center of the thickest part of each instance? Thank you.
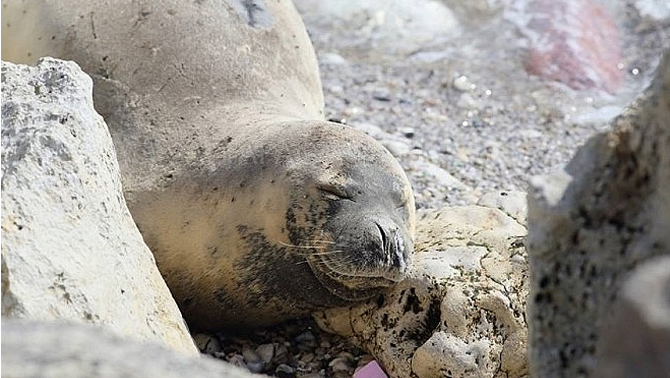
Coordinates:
(256, 209)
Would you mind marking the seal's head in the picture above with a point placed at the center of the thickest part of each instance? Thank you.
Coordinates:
(363, 241)
(351, 213)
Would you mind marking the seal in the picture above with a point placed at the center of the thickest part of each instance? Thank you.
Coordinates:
(256, 209)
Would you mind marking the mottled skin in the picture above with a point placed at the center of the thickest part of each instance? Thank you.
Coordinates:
(256, 209)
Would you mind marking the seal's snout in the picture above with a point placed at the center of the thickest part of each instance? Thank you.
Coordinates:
(394, 248)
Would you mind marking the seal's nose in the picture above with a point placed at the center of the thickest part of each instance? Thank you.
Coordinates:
(393, 247)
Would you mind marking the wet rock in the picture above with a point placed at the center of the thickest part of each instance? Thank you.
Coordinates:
(575, 42)
(70, 249)
(462, 307)
(591, 226)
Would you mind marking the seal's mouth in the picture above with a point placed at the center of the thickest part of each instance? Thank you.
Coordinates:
(348, 285)
(362, 274)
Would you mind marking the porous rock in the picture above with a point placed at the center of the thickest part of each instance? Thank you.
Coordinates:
(591, 225)
(70, 249)
(461, 311)
(53, 350)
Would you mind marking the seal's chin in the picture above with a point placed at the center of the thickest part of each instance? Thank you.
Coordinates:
(352, 285)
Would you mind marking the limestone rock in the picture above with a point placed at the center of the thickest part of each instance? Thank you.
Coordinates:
(460, 312)
(512, 203)
(53, 350)
(591, 226)
(70, 249)
(637, 343)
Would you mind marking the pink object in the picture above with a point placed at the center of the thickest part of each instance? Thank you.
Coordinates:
(371, 370)
(575, 42)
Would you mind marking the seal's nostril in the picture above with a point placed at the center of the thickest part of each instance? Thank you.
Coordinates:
(382, 237)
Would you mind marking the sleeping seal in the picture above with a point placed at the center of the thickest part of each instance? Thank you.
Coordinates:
(256, 208)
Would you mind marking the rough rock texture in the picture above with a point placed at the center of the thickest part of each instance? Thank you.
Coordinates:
(637, 343)
(70, 249)
(54, 350)
(512, 203)
(593, 224)
(461, 311)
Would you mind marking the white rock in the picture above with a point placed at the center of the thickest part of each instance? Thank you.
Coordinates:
(37, 349)
(607, 214)
(512, 203)
(70, 249)
(462, 307)
(658, 10)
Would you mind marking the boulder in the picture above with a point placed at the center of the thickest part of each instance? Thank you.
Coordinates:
(591, 226)
(70, 249)
(637, 342)
(461, 311)
(53, 350)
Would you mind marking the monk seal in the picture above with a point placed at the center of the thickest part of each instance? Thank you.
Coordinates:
(256, 209)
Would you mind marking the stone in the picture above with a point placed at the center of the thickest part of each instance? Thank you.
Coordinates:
(207, 344)
(657, 10)
(50, 350)
(461, 311)
(70, 249)
(590, 226)
(378, 25)
(575, 42)
(637, 342)
(512, 203)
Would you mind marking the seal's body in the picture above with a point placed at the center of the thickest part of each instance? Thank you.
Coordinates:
(256, 209)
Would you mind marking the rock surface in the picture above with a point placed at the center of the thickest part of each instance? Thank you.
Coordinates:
(590, 226)
(37, 349)
(637, 342)
(70, 249)
(461, 311)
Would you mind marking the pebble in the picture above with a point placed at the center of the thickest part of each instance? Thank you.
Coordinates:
(408, 132)
(332, 59)
(396, 148)
(466, 101)
(285, 371)
(237, 360)
(265, 352)
(463, 84)
(340, 364)
(206, 343)
(307, 358)
(250, 355)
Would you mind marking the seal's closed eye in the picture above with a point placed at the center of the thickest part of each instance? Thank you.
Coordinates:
(334, 192)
